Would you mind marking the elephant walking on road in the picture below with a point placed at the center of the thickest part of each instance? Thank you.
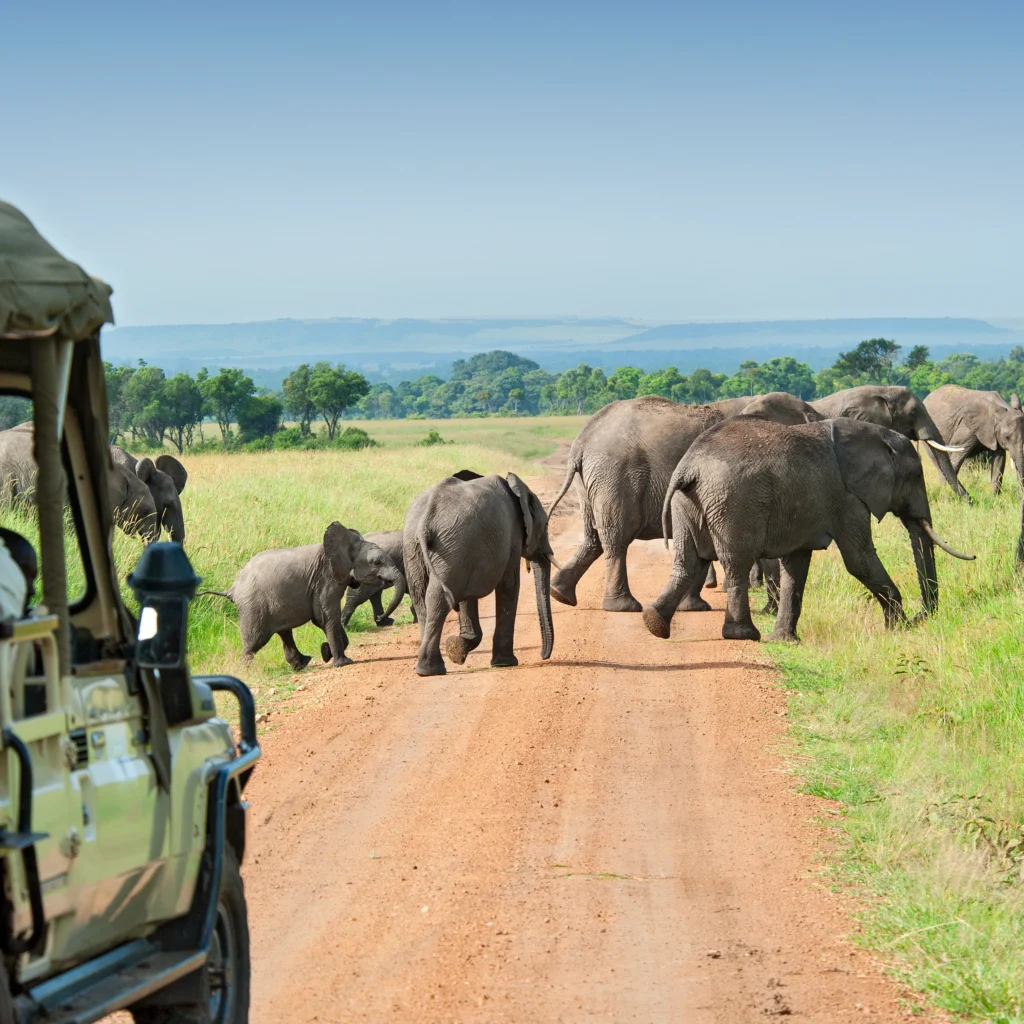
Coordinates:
(977, 422)
(464, 539)
(622, 462)
(390, 543)
(750, 489)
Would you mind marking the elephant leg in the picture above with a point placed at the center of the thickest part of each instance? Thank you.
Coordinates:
(255, 636)
(506, 601)
(470, 633)
(756, 575)
(682, 591)
(998, 465)
(292, 654)
(353, 599)
(862, 562)
(738, 624)
(711, 580)
(793, 569)
(770, 571)
(378, 609)
(435, 611)
(337, 642)
(563, 585)
(617, 597)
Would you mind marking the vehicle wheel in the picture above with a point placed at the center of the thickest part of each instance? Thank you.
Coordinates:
(224, 983)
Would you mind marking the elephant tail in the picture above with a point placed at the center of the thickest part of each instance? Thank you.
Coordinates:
(574, 466)
(423, 540)
(217, 593)
(683, 476)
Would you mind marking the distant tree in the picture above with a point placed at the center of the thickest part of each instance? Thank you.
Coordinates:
(13, 411)
(225, 393)
(116, 378)
(145, 403)
(919, 356)
(185, 407)
(624, 383)
(259, 416)
(515, 396)
(334, 389)
(871, 362)
(298, 402)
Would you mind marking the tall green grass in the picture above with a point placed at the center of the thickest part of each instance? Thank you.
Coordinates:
(919, 735)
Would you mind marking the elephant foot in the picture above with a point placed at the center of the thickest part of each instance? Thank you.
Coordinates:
(325, 652)
(341, 661)
(299, 663)
(770, 608)
(622, 604)
(693, 604)
(740, 631)
(563, 596)
(656, 625)
(504, 661)
(781, 636)
(431, 668)
(385, 621)
(457, 648)
(712, 579)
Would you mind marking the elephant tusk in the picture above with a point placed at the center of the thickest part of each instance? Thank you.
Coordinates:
(936, 539)
(554, 561)
(945, 447)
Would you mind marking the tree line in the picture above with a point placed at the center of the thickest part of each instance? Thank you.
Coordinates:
(150, 408)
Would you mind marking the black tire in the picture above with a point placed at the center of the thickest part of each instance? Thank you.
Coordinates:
(225, 977)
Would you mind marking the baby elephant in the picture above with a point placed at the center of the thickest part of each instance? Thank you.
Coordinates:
(391, 544)
(280, 590)
(464, 538)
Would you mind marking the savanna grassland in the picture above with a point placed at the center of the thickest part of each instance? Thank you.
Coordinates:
(919, 736)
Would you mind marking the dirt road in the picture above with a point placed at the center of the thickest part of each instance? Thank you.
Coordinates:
(608, 836)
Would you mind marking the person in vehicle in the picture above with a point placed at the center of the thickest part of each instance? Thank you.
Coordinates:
(18, 570)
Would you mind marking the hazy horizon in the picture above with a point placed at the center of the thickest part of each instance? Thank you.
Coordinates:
(248, 162)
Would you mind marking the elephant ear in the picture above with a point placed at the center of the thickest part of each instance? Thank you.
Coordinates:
(534, 520)
(174, 469)
(144, 469)
(339, 546)
(866, 463)
(983, 420)
(467, 474)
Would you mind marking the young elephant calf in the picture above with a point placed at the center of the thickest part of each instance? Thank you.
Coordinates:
(279, 590)
(464, 539)
(390, 543)
(750, 489)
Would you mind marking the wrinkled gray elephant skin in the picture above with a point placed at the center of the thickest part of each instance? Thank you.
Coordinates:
(899, 409)
(279, 590)
(166, 478)
(464, 539)
(390, 542)
(978, 422)
(131, 501)
(622, 461)
(750, 489)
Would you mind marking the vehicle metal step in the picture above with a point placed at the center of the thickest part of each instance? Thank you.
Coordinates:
(126, 976)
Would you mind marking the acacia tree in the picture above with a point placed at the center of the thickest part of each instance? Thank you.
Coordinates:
(333, 389)
(298, 402)
(225, 393)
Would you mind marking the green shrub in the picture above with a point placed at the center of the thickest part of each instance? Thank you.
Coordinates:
(433, 438)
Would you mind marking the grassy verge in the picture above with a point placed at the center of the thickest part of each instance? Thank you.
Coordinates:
(919, 735)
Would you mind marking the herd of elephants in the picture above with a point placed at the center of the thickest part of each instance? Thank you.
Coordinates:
(757, 484)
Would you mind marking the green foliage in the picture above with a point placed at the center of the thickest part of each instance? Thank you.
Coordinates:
(333, 389)
(298, 403)
(433, 438)
(258, 416)
(224, 394)
(14, 411)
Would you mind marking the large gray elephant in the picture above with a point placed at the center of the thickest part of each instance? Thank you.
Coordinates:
(464, 539)
(166, 478)
(979, 422)
(899, 409)
(279, 590)
(750, 489)
(390, 542)
(131, 501)
(623, 459)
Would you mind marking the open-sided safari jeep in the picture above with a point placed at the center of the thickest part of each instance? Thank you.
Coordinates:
(122, 824)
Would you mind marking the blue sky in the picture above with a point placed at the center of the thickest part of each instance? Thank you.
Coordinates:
(658, 161)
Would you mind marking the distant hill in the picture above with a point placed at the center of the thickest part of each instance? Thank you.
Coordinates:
(395, 349)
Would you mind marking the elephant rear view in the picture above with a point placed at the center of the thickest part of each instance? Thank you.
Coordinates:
(463, 540)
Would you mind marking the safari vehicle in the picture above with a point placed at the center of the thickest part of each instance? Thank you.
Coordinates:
(122, 823)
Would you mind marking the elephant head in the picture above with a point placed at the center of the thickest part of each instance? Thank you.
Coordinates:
(133, 505)
(882, 469)
(538, 554)
(166, 479)
(371, 564)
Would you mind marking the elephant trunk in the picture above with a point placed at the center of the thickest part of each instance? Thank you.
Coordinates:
(542, 585)
(397, 580)
(924, 559)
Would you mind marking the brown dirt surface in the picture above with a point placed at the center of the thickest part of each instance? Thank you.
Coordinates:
(607, 836)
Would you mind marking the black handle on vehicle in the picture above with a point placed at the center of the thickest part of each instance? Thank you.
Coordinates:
(16, 946)
(246, 713)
